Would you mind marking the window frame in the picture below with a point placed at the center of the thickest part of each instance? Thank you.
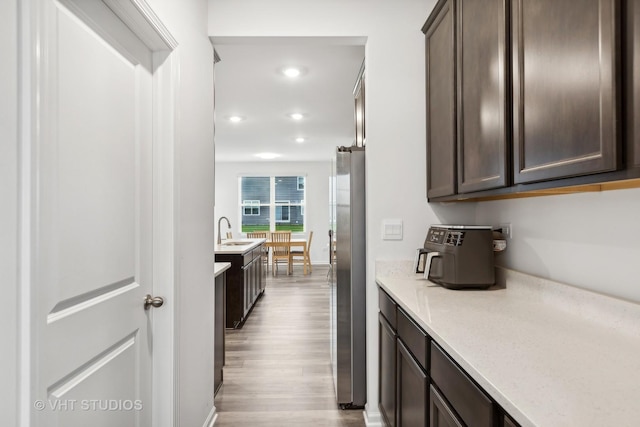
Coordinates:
(296, 222)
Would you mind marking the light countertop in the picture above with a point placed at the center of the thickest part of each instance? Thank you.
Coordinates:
(220, 267)
(238, 246)
(548, 353)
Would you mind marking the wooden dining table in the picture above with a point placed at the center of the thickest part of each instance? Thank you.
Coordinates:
(292, 244)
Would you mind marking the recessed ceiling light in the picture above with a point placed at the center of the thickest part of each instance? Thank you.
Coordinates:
(291, 72)
(268, 156)
(236, 119)
(300, 139)
(296, 116)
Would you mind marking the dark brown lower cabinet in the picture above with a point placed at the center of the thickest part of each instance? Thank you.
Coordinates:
(219, 330)
(420, 384)
(441, 413)
(387, 360)
(245, 284)
(470, 402)
(413, 386)
(508, 422)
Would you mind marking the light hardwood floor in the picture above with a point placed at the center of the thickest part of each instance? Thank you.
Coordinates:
(278, 369)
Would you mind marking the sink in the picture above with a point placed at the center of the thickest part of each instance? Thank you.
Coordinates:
(236, 242)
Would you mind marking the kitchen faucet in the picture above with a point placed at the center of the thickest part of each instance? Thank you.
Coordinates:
(228, 225)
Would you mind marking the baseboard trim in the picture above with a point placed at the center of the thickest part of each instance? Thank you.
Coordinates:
(211, 419)
(372, 417)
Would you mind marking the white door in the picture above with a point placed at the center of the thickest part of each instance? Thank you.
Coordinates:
(91, 240)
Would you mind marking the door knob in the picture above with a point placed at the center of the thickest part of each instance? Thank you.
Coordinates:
(151, 301)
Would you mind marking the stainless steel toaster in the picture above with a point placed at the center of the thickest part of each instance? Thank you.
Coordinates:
(458, 256)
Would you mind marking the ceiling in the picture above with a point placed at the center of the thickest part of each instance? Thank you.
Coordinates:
(249, 83)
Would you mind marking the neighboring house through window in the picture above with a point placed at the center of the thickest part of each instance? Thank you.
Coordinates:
(269, 203)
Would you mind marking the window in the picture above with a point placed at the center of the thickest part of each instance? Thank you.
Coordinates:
(251, 207)
(270, 203)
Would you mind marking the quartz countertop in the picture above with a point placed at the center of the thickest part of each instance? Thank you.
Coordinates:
(220, 267)
(548, 353)
(238, 246)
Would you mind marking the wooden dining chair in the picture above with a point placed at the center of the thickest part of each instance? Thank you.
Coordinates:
(298, 256)
(265, 248)
(281, 247)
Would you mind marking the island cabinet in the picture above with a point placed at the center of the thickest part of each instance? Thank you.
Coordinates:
(420, 384)
(245, 284)
(565, 88)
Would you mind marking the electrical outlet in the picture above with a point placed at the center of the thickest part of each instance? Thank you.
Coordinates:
(507, 230)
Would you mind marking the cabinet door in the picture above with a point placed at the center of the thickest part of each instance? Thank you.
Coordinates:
(387, 371)
(413, 386)
(441, 100)
(508, 422)
(482, 95)
(219, 334)
(441, 413)
(564, 88)
(632, 81)
(261, 271)
(246, 289)
(254, 280)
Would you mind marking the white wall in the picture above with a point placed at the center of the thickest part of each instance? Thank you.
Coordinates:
(589, 240)
(8, 213)
(317, 202)
(395, 113)
(194, 198)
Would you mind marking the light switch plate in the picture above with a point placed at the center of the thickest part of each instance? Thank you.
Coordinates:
(392, 229)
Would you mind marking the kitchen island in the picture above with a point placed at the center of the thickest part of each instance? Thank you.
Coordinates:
(544, 353)
(245, 277)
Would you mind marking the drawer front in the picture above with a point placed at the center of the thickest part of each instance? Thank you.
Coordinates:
(257, 252)
(247, 258)
(414, 338)
(388, 308)
(472, 405)
(440, 412)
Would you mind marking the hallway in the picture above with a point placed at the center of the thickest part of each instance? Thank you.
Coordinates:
(278, 370)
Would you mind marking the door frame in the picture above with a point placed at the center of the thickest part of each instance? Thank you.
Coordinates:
(33, 122)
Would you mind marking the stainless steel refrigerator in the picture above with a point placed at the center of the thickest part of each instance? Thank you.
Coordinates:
(347, 278)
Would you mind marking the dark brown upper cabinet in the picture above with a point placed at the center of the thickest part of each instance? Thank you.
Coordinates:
(565, 94)
(439, 32)
(483, 94)
(632, 81)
